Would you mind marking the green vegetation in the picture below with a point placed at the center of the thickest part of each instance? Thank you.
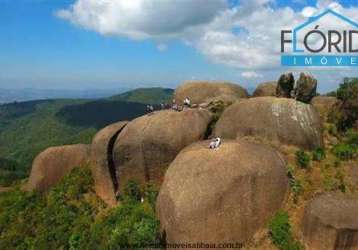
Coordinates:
(146, 96)
(295, 184)
(346, 114)
(318, 154)
(27, 128)
(347, 149)
(71, 216)
(344, 151)
(100, 113)
(303, 159)
(281, 234)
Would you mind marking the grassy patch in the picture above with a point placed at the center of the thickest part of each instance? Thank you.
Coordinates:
(280, 232)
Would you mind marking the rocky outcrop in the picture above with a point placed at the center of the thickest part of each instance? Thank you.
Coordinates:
(102, 163)
(148, 144)
(207, 91)
(324, 105)
(285, 85)
(265, 89)
(54, 163)
(331, 222)
(221, 195)
(281, 120)
(305, 88)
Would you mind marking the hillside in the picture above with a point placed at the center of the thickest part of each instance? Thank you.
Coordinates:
(146, 95)
(27, 128)
(298, 182)
(27, 94)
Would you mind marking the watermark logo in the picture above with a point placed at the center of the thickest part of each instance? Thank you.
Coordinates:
(334, 44)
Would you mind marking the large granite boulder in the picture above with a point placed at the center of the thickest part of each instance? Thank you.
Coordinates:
(265, 89)
(330, 222)
(148, 144)
(54, 163)
(207, 91)
(305, 88)
(285, 85)
(281, 120)
(221, 195)
(102, 164)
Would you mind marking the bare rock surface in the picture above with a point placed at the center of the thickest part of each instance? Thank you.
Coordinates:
(281, 120)
(265, 89)
(148, 144)
(102, 165)
(54, 163)
(331, 222)
(221, 195)
(207, 91)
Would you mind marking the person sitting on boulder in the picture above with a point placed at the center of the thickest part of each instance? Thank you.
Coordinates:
(215, 143)
(187, 102)
(175, 106)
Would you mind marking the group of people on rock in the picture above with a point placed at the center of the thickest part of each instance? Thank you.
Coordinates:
(174, 106)
(214, 144)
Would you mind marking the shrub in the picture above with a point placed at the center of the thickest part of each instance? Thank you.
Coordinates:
(70, 216)
(345, 151)
(303, 159)
(132, 191)
(352, 137)
(332, 130)
(345, 114)
(340, 181)
(151, 194)
(295, 184)
(318, 154)
(280, 232)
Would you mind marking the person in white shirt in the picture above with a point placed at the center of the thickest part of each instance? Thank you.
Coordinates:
(187, 102)
(215, 143)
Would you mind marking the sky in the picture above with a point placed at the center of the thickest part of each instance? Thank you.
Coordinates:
(112, 44)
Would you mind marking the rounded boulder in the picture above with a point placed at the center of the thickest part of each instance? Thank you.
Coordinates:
(221, 195)
(102, 164)
(148, 144)
(265, 89)
(279, 120)
(51, 165)
(332, 217)
(207, 91)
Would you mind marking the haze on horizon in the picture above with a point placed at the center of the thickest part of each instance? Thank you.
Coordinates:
(119, 44)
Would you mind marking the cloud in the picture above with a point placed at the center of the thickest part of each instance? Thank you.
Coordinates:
(142, 19)
(250, 74)
(245, 36)
(162, 47)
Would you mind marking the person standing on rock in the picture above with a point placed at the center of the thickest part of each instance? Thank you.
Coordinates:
(187, 102)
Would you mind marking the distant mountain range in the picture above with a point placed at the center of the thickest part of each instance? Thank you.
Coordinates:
(27, 128)
(28, 94)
